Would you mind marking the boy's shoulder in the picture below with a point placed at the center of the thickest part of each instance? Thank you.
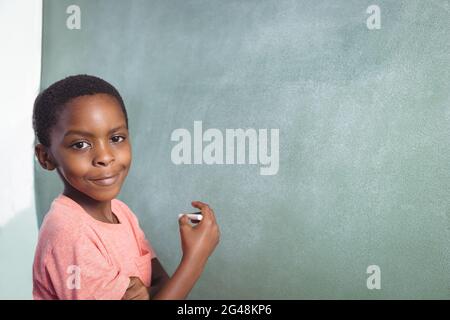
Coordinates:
(62, 222)
(66, 220)
(124, 209)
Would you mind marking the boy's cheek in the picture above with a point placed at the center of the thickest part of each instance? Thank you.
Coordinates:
(126, 157)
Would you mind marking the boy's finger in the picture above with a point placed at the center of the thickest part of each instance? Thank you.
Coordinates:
(199, 204)
(213, 215)
(206, 210)
(194, 218)
(183, 220)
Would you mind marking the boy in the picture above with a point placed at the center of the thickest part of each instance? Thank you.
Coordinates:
(90, 244)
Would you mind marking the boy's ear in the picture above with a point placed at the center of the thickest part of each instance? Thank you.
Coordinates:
(44, 157)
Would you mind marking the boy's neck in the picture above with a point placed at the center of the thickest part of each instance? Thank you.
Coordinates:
(99, 210)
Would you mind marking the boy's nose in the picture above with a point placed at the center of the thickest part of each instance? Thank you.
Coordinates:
(103, 156)
(103, 162)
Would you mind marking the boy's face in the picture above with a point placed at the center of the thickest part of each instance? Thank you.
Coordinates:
(90, 146)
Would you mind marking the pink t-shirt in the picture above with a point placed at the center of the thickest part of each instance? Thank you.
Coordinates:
(79, 257)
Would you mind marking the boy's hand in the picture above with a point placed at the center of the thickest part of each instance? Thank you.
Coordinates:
(199, 241)
(136, 290)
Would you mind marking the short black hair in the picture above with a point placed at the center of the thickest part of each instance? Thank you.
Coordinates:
(50, 102)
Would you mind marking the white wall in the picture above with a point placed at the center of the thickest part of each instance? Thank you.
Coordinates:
(20, 63)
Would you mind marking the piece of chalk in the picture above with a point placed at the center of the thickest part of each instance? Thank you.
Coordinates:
(191, 216)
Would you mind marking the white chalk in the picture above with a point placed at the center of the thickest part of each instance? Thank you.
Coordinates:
(191, 216)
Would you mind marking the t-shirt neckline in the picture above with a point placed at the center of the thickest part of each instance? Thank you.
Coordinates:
(72, 203)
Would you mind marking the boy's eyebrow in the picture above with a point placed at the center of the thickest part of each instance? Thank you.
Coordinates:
(85, 133)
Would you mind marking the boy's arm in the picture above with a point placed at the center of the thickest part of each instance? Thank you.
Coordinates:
(165, 288)
(136, 290)
(182, 281)
(159, 277)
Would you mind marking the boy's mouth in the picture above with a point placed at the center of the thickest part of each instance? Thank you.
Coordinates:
(106, 180)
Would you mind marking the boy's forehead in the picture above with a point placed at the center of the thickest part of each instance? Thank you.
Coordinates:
(93, 113)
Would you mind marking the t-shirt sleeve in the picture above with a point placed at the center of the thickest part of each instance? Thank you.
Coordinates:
(78, 270)
(143, 262)
(146, 247)
(147, 253)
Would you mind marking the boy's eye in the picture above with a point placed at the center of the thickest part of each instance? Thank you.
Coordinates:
(83, 145)
(80, 145)
(117, 139)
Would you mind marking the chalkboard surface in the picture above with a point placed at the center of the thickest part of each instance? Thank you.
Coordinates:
(363, 118)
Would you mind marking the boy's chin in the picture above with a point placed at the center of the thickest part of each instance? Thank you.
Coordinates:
(103, 195)
(106, 196)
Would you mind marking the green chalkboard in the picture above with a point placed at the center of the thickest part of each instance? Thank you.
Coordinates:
(363, 116)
